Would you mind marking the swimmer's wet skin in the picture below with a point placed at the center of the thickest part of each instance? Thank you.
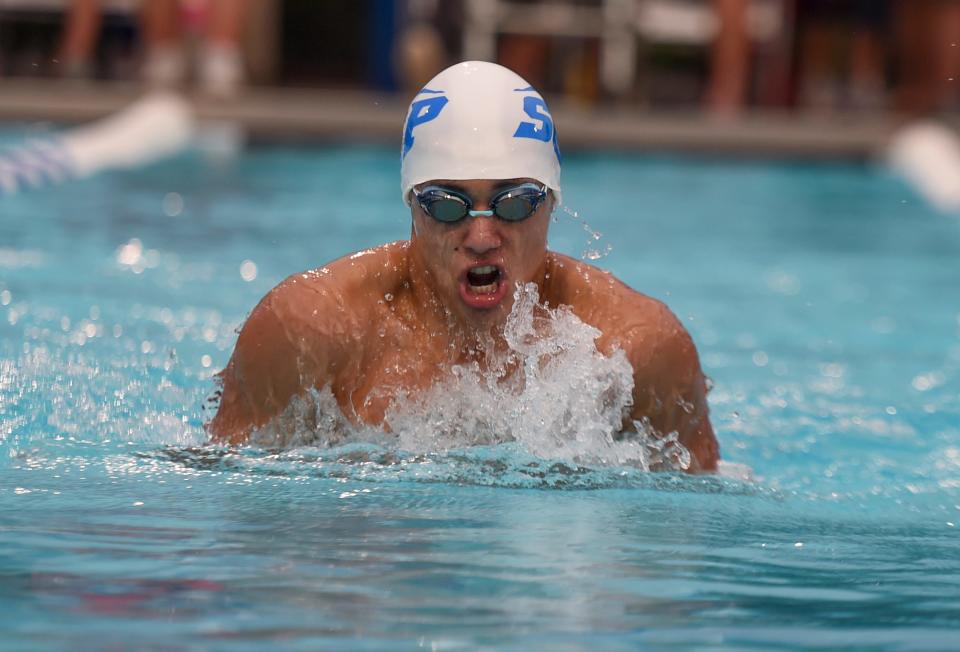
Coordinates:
(481, 174)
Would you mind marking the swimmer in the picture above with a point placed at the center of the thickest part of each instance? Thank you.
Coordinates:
(480, 172)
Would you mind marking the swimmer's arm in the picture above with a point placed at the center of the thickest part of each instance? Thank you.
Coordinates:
(267, 369)
(670, 391)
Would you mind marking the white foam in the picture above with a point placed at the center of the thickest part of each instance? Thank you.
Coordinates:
(735, 471)
(550, 390)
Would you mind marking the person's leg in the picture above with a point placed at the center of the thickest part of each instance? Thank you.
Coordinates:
(164, 64)
(418, 55)
(730, 58)
(221, 70)
(820, 31)
(226, 22)
(867, 56)
(161, 22)
(79, 37)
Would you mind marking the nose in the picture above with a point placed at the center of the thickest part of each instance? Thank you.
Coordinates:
(482, 235)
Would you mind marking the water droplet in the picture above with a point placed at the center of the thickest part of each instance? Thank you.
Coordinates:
(923, 382)
(248, 270)
(388, 296)
(130, 253)
(172, 204)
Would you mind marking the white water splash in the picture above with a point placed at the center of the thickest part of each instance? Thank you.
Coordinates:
(551, 391)
(592, 250)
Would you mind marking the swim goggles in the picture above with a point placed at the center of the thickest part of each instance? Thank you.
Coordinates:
(513, 204)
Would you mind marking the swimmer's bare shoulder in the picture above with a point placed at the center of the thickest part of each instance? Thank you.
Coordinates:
(302, 335)
(670, 390)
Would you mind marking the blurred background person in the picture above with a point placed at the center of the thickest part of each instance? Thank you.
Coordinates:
(869, 61)
(726, 57)
(82, 25)
(419, 51)
(729, 62)
(842, 57)
(218, 25)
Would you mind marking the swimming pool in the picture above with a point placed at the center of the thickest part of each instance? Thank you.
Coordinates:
(824, 299)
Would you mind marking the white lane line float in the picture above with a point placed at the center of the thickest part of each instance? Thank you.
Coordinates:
(152, 128)
(927, 155)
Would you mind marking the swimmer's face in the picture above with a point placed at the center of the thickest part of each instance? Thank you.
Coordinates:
(474, 264)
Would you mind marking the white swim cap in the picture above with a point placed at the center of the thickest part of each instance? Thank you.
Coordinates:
(479, 120)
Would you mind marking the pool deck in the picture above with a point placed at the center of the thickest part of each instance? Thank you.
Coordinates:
(310, 115)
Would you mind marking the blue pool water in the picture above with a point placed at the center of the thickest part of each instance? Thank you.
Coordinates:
(824, 299)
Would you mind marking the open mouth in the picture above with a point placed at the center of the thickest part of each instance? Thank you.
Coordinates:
(483, 286)
(483, 279)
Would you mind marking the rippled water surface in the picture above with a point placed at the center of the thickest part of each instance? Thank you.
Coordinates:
(825, 301)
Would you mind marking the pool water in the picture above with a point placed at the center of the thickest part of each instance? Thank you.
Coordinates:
(824, 300)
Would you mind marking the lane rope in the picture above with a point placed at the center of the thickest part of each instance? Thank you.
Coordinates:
(154, 127)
